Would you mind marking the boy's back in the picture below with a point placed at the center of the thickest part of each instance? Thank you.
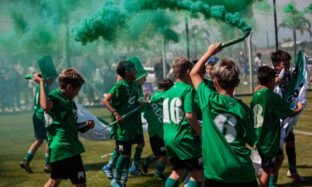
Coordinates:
(268, 108)
(154, 114)
(227, 127)
(178, 100)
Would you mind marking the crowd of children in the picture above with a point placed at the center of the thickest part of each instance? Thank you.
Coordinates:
(212, 148)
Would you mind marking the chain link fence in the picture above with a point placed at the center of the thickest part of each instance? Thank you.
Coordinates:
(263, 40)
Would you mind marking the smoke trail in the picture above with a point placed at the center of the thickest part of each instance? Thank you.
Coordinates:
(148, 24)
(112, 17)
(104, 23)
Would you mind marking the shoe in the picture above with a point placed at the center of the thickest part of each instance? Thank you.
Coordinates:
(47, 168)
(160, 177)
(25, 165)
(295, 176)
(144, 168)
(108, 171)
(114, 183)
(133, 170)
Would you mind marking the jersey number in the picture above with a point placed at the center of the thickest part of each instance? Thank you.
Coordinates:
(173, 109)
(226, 124)
(258, 118)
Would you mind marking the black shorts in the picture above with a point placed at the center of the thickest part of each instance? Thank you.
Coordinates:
(269, 163)
(290, 137)
(158, 146)
(124, 147)
(138, 139)
(190, 165)
(69, 168)
(214, 183)
(39, 127)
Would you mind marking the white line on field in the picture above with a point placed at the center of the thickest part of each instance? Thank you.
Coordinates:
(303, 132)
(106, 155)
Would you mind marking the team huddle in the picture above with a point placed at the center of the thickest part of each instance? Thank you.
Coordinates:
(194, 123)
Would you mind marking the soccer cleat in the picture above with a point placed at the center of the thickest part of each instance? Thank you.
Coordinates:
(47, 168)
(133, 170)
(160, 177)
(295, 176)
(108, 171)
(115, 183)
(25, 165)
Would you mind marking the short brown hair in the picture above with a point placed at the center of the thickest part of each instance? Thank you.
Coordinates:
(70, 76)
(227, 73)
(280, 55)
(180, 66)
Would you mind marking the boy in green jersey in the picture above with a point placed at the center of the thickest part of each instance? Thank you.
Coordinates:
(40, 131)
(61, 124)
(153, 114)
(181, 129)
(139, 137)
(48, 72)
(268, 108)
(121, 99)
(140, 78)
(227, 125)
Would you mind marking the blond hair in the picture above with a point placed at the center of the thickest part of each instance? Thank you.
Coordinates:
(180, 66)
(227, 73)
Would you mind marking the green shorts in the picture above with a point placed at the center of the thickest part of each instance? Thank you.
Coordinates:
(39, 126)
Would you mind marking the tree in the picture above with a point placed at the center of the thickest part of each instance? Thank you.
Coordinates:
(295, 21)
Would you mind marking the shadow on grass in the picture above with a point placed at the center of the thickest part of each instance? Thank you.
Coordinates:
(304, 166)
(307, 182)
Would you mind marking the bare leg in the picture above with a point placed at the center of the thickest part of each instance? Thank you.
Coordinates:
(52, 182)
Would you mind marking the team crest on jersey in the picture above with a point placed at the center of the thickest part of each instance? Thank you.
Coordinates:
(81, 175)
(131, 100)
(120, 147)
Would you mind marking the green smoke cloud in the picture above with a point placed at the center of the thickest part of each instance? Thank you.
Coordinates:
(112, 18)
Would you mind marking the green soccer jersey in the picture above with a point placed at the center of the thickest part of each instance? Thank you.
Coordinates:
(61, 124)
(227, 128)
(125, 98)
(153, 114)
(37, 108)
(210, 84)
(268, 108)
(180, 139)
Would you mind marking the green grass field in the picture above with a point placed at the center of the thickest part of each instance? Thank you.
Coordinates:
(17, 134)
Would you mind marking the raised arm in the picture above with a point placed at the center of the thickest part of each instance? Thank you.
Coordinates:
(195, 74)
(44, 102)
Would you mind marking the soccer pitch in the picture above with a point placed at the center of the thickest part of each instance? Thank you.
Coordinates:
(17, 134)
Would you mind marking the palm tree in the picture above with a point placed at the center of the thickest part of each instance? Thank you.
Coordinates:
(295, 21)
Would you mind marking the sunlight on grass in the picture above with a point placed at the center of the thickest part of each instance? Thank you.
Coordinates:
(17, 134)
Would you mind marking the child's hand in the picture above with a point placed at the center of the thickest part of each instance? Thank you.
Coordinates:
(118, 117)
(299, 105)
(37, 77)
(90, 124)
(214, 48)
(278, 80)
